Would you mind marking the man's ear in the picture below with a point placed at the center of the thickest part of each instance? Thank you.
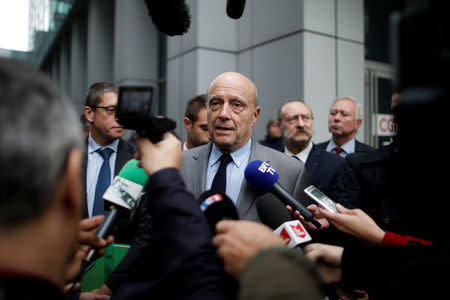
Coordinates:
(256, 113)
(358, 124)
(187, 124)
(72, 182)
(89, 113)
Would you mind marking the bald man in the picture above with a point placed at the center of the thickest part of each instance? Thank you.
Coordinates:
(232, 112)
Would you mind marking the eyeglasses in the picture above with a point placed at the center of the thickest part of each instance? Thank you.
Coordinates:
(110, 110)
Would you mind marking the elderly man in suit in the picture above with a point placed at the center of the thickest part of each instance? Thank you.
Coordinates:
(232, 111)
(296, 123)
(344, 121)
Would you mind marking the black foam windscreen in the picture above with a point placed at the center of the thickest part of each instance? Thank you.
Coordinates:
(235, 8)
(217, 207)
(171, 17)
(272, 212)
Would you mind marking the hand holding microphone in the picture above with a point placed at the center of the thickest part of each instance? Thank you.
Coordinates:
(264, 178)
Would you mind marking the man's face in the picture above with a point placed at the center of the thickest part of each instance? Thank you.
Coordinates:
(342, 121)
(197, 132)
(296, 124)
(104, 126)
(231, 111)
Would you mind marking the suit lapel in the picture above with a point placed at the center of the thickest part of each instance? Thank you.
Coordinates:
(198, 168)
(247, 194)
(122, 156)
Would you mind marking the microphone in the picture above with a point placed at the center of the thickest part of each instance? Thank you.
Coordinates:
(217, 207)
(169, 16)
(291, 231)
(123, 194)
(235, 8)
(264, 178)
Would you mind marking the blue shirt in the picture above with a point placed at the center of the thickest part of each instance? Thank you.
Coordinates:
(347, 148)
(235, 169)
(94, 163)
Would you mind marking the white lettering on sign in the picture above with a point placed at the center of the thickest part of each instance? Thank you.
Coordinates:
(384, 125)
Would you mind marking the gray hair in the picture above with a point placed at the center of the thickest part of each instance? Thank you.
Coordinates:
(359, 113)
(38, 128)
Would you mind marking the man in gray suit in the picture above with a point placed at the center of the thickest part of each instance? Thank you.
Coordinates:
(232, 111)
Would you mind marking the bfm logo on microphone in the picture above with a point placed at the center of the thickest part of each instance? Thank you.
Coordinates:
(265, 167)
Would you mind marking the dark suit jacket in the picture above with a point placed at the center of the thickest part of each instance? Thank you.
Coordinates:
(292, 176)
(359, 147)
(124, 233)
(181, 263)
(321, 168)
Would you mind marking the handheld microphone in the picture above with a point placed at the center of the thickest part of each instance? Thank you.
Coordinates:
(235, 8)
(264, 178)
(292, 232)
(169, 16)
(123, 194)
(217, 207)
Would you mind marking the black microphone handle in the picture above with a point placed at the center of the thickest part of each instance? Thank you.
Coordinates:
(287, 199)
(103, 231)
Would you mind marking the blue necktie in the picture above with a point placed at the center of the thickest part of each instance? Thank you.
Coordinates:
(103, 182)
(219, 183)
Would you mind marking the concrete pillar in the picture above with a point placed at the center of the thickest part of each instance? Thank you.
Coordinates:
(100, 46)
(78, 58)
(64, 67)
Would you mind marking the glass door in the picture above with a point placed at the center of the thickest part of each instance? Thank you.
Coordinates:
(378, 113)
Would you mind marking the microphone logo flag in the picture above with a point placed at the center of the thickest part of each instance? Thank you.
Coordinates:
(265, 167)
(210, 200)
(285, 236)
(298, 230)
(123, 192)
(293, 233)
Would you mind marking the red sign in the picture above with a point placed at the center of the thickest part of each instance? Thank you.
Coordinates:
(285, 236)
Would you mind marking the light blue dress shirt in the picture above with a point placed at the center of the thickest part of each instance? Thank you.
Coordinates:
(235, 169)
(94, 163)
(347, 148)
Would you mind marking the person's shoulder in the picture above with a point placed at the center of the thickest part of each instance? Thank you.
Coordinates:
(197, 152)
(361, 147)
(325, 155)
(322, 145)
(276, 158)
(126, 146)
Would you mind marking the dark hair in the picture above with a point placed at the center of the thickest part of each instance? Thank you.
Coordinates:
(96, 90)
(194, 106)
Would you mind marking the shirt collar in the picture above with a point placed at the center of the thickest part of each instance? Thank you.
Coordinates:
(238, 156)
(93, 146)
(302, 155)
(348, 147)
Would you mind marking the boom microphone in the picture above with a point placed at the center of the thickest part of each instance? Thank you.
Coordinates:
(264, 178)
(235, 8)
(217, 207)
(123, 194)
(169, 16)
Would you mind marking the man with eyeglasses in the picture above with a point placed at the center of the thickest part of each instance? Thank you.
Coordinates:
(296, 123)
(106, 152)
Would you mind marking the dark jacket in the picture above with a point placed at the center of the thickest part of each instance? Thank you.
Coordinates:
(181, 262)
(359, 147)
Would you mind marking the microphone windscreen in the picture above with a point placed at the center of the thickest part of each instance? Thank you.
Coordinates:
(272, 213)
(171, 17)
(217, 207)
(261, 175)
(126, 188)
(235, 8)
(133, 173)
